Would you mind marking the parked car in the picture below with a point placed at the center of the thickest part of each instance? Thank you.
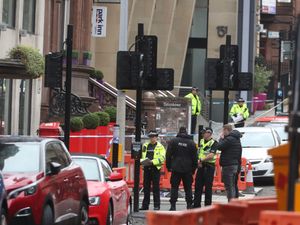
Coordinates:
(256, 141)
(109, 196)
(44, 186)
(278, 122)
(3, 202)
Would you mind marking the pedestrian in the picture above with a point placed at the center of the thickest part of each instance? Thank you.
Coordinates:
(239, 113)
(153, 157)
(206, 168)
(196, 108)
(230, 159)
(181, 160)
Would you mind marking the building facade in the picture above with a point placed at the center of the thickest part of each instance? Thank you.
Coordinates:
(21, 23)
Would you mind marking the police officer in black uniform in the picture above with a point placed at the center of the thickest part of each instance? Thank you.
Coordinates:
(181, 160)
(206, 168)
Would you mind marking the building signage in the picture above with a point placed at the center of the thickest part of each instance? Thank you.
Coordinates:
(284, 1)
(273, 34)
(268, 6)
(99, 20)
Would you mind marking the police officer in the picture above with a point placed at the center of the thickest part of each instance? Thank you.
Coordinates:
(206, 168)
(196, 108)
(181, 160)
(239, 109)
(153, 157)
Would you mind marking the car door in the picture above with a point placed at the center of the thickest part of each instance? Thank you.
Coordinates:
(118, 194)
(55, 185)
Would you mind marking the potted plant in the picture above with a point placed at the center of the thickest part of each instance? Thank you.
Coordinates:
(112, 112)
(31, 58)
(75, 57)
(87, 57)
(76, 125)
(261, 81)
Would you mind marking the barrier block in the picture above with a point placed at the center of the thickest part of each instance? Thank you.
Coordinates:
(202, 216)
(232, 214)
(279, 218)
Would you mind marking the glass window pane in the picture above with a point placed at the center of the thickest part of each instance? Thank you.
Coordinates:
(5, 106)
(20, 157)
(90, 168)
(29, 16)
(252, 140)
(9, 12)
(24, 107)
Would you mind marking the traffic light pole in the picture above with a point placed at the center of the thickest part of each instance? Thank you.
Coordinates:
(138, 128)
(226, 91)
(68, 85)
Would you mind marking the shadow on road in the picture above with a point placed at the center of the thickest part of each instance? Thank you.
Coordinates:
(258, 182)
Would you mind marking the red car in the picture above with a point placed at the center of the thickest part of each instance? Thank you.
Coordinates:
(44, 186)
(110, 201)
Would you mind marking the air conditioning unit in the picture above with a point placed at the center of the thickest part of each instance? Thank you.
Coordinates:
(23, 33)
(3, 27)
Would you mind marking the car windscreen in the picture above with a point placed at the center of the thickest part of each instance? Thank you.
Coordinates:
(20, 157)
(280, 128)
(257, 140)
(90, 168)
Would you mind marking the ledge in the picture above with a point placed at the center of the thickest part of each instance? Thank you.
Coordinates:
(13, 69)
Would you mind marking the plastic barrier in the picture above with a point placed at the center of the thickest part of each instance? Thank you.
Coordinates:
(279, 218)
(166, 176)
(203, 216)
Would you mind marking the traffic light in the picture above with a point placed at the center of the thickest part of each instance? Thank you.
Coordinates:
(165, 79)
(245, 81)
(147, 45)
(213, 74)
(53, 70)
(128, 69)
(229, 59)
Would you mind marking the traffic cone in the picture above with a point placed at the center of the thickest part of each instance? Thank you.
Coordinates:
(249, 181)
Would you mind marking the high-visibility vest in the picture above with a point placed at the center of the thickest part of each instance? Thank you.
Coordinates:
(205, 150)
(236, 109)
(159, 155)
(195, 102)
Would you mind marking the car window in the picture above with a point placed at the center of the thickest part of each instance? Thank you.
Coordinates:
(90, 168)
(54, 153)
(106, 169)
(20, 157)
(257, 140)
(280, 128)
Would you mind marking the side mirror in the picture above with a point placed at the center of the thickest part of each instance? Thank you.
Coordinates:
(54, 168)
(115, 176)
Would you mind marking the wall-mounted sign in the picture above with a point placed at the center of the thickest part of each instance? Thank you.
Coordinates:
(268, 6)
(99, 21)
(284, 1)
(273, 34)
(106, 1)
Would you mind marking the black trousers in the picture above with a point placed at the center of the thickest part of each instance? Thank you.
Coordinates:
(204, 178)
(236, 182)
(187, 179)
(228, 177)
(193, 124)
(151, 176)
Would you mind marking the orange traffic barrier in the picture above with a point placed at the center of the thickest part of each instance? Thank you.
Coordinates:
(166, 176)
(201, 216)
(254, 207)
(279, 218)
(232, 214)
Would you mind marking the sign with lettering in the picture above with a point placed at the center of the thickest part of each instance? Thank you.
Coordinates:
(268, 6)
(99, 20)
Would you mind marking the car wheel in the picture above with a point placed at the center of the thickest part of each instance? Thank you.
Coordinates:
(47, 218)
(83, 214)
(3, 217)
(129, 220)
(109, 218)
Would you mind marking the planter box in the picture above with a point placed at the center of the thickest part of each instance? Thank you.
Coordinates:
(100, 144)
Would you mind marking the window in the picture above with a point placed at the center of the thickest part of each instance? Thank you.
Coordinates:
(55, 153)
(29, 16)
(9, 12)
(106, 169)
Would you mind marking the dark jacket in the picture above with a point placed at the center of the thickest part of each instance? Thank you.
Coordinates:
(181, 154)
(231, 149)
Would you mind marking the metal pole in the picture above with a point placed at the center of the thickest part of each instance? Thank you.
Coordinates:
(138, 127)
(121, 98)
(115, 150)
(68, 85)
(226, 92)
(278, 75)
